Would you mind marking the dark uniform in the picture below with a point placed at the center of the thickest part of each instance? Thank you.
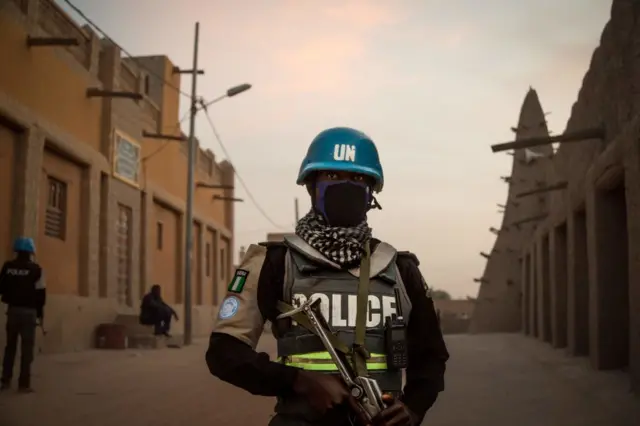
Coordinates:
(293, 272)
(23, 289)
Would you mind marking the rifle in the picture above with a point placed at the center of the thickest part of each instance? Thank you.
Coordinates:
(366, 394)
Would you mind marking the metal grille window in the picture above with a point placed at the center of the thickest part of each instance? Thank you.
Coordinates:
(56, 213)
(123, 253)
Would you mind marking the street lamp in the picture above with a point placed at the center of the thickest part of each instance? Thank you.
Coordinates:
(233, 91)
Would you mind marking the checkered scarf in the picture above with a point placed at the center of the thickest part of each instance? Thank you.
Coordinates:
(343, 246)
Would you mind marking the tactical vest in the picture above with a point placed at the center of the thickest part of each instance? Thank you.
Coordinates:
(308, 274)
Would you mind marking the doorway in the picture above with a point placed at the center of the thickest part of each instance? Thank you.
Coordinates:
(610, 290)
(579, 289)
(559, 294)
(545, 291)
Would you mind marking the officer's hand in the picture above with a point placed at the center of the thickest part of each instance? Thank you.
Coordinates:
(396, 414)
(323, 391)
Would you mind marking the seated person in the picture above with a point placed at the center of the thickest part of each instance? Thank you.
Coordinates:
(154, 311)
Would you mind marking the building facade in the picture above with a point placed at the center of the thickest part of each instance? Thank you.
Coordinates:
(104, 203)
(565, 267)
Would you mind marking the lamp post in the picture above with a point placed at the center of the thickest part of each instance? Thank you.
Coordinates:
(236, 90)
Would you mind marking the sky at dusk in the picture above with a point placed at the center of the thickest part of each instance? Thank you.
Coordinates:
(433, 82)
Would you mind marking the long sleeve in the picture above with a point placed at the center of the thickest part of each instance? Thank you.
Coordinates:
(231, 355)
(237, 363)
(427, 350)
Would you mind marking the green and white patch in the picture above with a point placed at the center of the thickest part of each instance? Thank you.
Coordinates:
(239, 279)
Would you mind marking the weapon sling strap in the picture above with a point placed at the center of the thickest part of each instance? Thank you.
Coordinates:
(302, 319)
(360, 353)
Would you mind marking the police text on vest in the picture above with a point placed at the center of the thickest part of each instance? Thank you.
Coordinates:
(340, 309)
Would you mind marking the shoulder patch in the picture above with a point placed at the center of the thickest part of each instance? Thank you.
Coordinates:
(229, 307)
(239, 279)
(410, 256)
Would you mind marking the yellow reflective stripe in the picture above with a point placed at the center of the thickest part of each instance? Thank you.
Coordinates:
(321, 361)
(313, 367)
(327, 356)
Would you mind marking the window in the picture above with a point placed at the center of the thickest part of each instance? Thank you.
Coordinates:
(207, 259)
(159, 235)
(146, 84)
(56, 214)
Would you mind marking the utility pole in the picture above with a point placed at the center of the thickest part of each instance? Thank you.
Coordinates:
(188, 250)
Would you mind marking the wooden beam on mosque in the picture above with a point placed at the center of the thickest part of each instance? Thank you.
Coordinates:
(530, 219)
(480, 280)
(578, 136)
(554, 187)
(485, 255)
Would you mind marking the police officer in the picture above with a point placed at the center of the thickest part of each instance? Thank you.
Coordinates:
(341, 172)
(23, 289)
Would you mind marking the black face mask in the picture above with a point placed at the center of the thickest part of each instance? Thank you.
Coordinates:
(343, 203)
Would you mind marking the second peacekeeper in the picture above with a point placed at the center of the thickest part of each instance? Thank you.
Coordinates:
(22, 287)
(341, 171)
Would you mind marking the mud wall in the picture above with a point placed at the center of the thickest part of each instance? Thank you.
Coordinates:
(576, 273)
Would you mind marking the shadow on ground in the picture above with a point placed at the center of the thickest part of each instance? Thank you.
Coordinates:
(492, 380)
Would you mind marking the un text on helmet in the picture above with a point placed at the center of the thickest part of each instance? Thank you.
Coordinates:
(344, 152)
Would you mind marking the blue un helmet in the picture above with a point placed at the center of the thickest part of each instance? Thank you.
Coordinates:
(342, 149)
(24, 244)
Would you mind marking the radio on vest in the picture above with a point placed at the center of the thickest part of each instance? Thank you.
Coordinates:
(395, 336)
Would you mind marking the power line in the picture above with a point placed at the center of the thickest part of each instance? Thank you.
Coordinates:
(242, 182)
(123, 50)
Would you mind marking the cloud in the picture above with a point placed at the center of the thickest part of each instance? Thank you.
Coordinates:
(320, 64)
(326, 53)
(364, 15)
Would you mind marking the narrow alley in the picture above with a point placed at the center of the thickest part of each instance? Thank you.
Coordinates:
(496, 380)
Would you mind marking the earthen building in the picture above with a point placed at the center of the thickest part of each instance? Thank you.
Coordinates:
(565, 267)
(82, 173)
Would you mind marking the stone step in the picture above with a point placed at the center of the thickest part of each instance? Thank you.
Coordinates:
(149, 341)
(133, 326)
(127, 319)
